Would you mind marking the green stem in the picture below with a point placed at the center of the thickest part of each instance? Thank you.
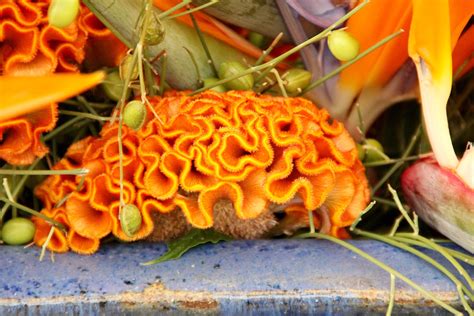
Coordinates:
(349, 63)
(34, 213)
(456, 254)
(384, 267)
(80, 171)
(391, 300)
(402, 210)
(174, 9)
(395, 167)
(204, 46)
(295, 49)
(393, 161)
(189, 11)
(441, 250)
(393, 242)
(58, 130)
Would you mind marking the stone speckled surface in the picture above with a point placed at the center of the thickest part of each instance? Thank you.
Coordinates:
(235, 278)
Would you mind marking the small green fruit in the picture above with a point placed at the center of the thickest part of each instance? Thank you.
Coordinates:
(229, 69)
(62, 13)
(211, 81)
(257, 39)
(343, 45)
(296, 80)
(374, 151)
(113, 86)
(18, 231)
(130, 219)
(134, 114)
(126, 70)
(155, 31)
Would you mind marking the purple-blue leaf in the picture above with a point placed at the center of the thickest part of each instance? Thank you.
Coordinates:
(319, 12)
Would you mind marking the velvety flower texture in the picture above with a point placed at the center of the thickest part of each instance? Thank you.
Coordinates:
(29, 46)
(260, 153)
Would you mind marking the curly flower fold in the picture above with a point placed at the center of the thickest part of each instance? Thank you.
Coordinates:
(227, 161)
(29, 46)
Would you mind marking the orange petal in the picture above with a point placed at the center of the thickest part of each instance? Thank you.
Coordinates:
(87, 221)
(58, 242)
(40, 91)
(431, 53)
(82, 245)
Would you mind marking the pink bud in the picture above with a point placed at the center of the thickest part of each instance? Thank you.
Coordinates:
(442, 199)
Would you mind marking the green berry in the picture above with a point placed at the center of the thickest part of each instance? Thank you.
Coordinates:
(211, 81)
(18, 231)
(126, 70)
(113, 86)
(62, 13)
(155, 32)
(257, 39)
(373, 151)
(130, 219)
(229, 69)
(134, 114)
(296, 80)
(343, 45)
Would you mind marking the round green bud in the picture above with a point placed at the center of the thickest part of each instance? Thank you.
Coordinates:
(134, 114)
(62, 13)
(232, 68)
(296, 80)
(155, 31)
(257, 39)
(373, 151)
(130, 219)
(18, 231)
(113, 86)
(126, 70)
(343, 45)
(211, 81)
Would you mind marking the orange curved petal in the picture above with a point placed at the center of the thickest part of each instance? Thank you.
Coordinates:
(41, 91)
(58, 242)
(82, 245)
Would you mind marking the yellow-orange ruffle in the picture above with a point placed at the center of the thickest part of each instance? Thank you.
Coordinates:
(248, 149)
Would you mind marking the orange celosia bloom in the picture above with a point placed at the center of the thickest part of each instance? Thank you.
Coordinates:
(29, 46)
(259, 152)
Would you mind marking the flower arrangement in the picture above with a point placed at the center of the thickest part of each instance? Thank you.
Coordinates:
(223, 137)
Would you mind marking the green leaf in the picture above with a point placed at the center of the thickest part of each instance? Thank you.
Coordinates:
(193, 239)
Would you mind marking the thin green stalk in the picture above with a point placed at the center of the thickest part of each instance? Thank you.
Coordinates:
(86, 104)
(384, 267)
(85, 115)
(196, 68)
(281, 85)
(395, 167)
(349, 63)
(269, 49)
(456, 254)
(16, 191)
(33, 212)
(395, 225)
(295, 49)
(384, 201)
(359, 218)
(164, 66)
(393, 161)
(441, 250)
(189, 11)
(79, 172)
(210, 61)
(402, 210)
(391, 300)
(312, 229)
(393, 242)
(174, 9)
(61, 128)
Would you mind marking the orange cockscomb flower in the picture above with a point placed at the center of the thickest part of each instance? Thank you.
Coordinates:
(214, 157)
(29, 46)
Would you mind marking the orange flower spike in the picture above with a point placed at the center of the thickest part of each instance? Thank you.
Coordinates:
(225, 158)
(431, 53)
(23, 95)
